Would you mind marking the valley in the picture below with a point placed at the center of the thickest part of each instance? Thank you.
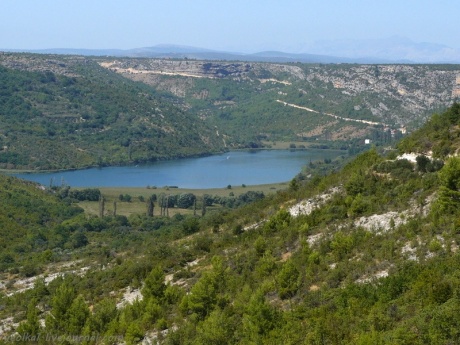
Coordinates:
(396, 94)
(100, 111)
(371, 245)
(362, 249)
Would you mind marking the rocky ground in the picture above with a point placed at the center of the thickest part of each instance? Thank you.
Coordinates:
(393, 93)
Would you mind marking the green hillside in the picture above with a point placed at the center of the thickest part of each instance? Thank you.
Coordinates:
(30, 224)
(60, 112)
(439, 136)
(366, 255)
(258, 102)
(68, 112)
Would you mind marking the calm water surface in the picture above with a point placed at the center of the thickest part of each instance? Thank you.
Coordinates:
(218, 171)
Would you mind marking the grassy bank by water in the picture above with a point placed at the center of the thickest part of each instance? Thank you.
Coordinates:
(138, 194)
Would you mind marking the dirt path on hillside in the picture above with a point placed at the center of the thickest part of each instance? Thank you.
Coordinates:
(332, 115)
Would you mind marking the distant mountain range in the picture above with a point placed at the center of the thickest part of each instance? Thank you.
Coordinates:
(185, 52)
(389, 50)
(396, 49)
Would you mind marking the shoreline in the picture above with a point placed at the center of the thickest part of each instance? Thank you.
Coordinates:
(280, 147)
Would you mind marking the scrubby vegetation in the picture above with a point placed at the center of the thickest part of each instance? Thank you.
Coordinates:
(83, 115)
(365, 255)
(69, 112)
(248, 101)
(439, 136)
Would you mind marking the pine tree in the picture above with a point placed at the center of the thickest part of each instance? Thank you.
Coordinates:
(133, 334)
(216, 329)
(104, 313)
(449, 196)
(259, 319)
(202, 297)
(58, 319)
(154, 285)
(78, 314)
(30, 329)
(288, 280)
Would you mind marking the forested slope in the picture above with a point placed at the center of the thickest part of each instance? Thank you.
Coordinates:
(29, 224)
(366, 255)
(60, 112)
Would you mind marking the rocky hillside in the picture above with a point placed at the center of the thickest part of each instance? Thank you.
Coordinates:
(60, 111)
(240, 96)
(366, 255)
(201, 69)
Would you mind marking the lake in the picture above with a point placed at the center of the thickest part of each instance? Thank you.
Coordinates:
(217, 171)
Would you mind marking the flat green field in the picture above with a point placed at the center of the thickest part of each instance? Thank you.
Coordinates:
(285, 145)
(136, 206)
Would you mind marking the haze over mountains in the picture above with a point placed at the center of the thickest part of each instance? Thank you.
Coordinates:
(388, 50)
(399, 49)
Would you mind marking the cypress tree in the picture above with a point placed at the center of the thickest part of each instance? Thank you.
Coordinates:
(101, 206)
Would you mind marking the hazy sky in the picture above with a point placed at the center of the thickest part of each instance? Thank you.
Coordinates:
(236, 25)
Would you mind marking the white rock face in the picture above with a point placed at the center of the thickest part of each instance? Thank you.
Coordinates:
(305, 207)
(380, 222)
(411, 157)
(373, 277)
(129, 296)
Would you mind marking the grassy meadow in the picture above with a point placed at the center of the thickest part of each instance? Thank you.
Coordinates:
(137, 206)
